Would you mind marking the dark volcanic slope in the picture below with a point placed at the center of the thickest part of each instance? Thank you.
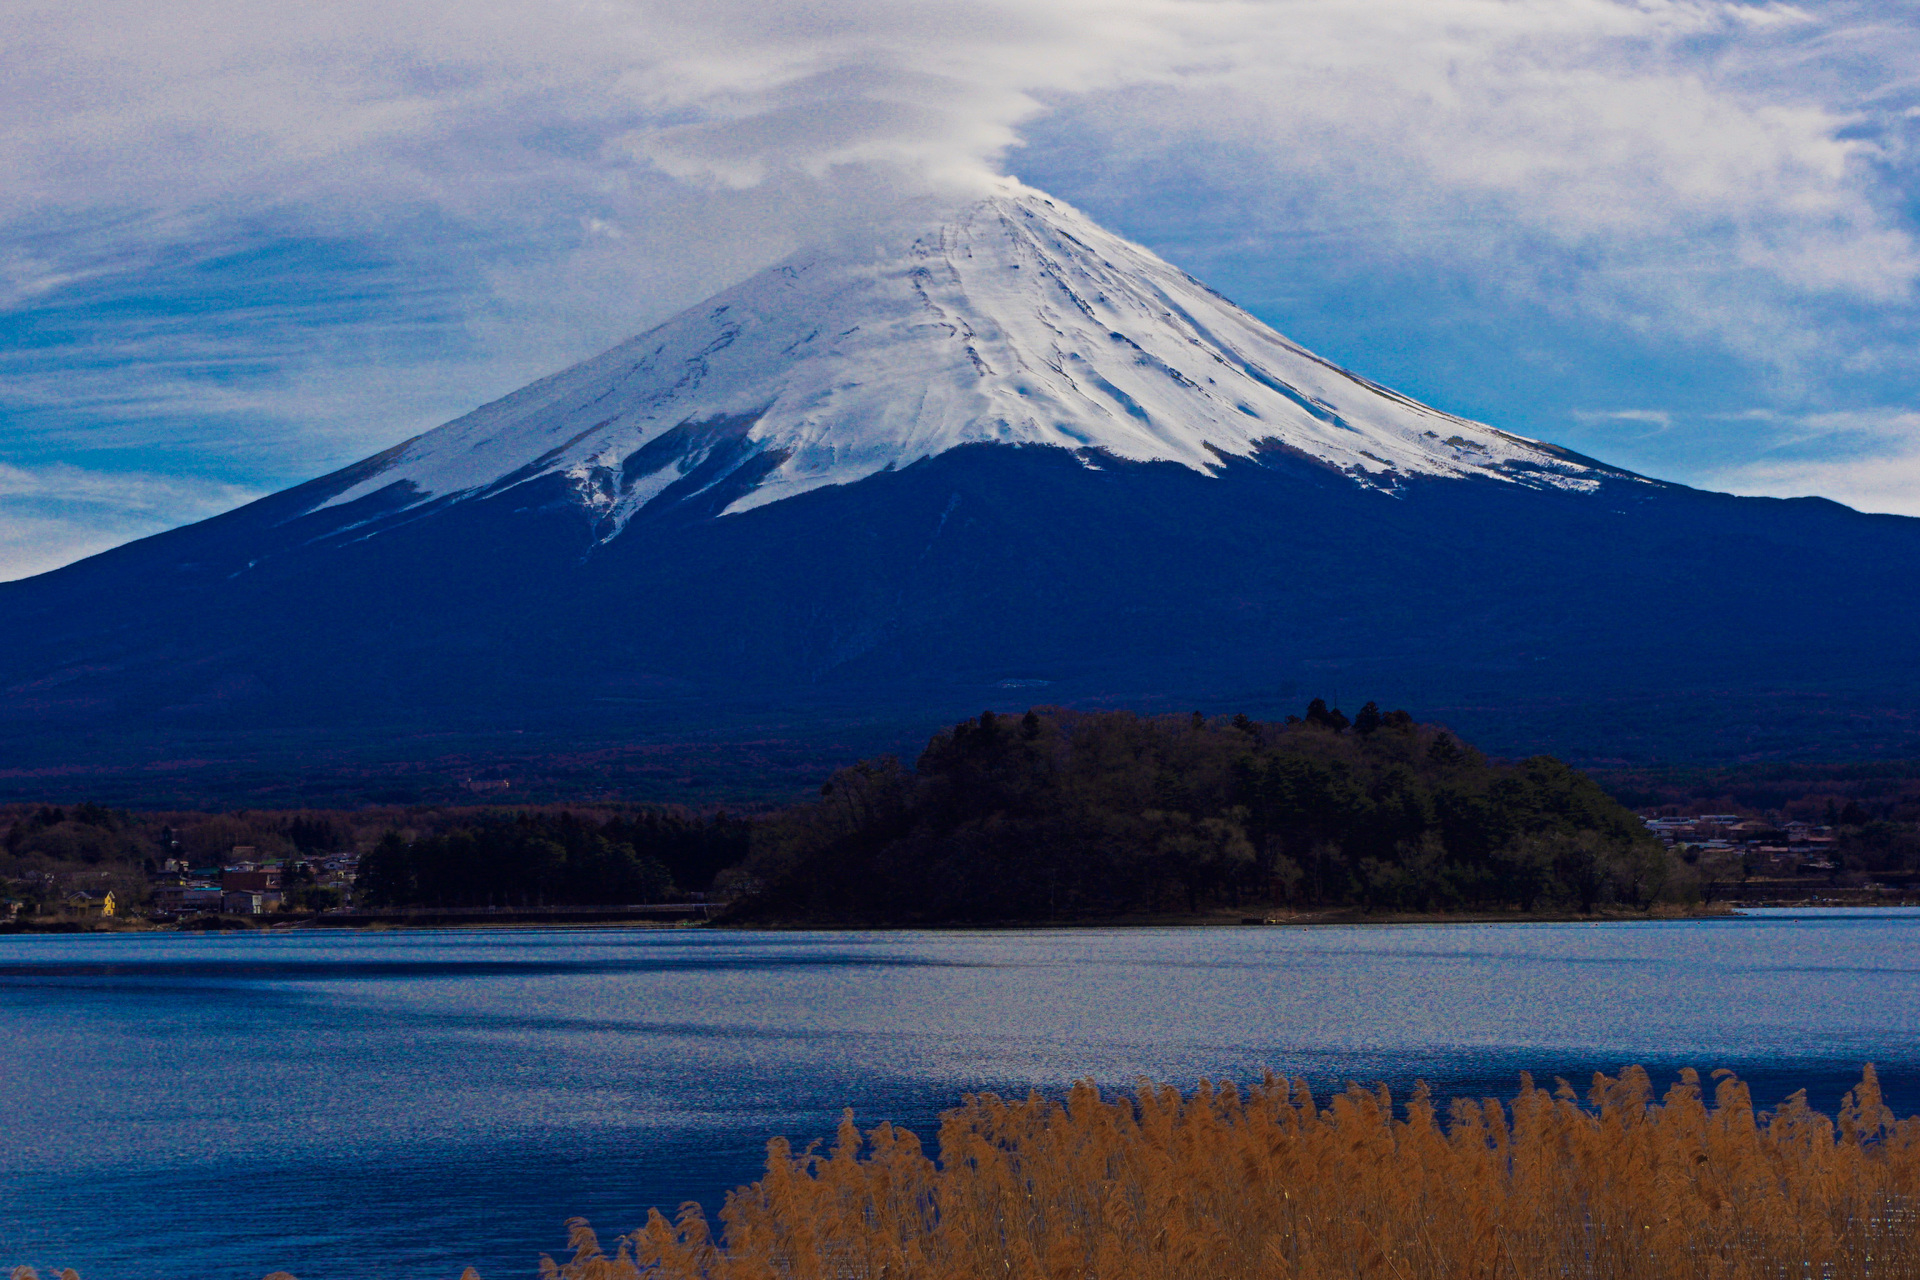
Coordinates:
(1641, 620)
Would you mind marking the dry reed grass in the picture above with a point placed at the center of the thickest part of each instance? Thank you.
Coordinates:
(1270, 1183)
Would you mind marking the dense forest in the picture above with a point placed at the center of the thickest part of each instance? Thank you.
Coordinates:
(553, 859)
(1055, 815)
(1063, 814)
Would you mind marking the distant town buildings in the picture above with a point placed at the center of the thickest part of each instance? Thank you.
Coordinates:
(1730, 830)
(185, 899)
(245, 886)
(1760, 861)
(247, 902)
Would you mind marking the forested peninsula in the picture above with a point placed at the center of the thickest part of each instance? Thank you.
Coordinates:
(1063, 815)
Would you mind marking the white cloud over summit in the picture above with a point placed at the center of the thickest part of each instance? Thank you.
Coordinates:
(340, 223)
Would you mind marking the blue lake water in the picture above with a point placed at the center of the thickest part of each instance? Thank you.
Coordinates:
(405, 1104)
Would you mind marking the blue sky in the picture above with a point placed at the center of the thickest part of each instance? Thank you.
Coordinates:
(241, 246)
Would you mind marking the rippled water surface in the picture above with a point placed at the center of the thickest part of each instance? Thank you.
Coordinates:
(403, 1104)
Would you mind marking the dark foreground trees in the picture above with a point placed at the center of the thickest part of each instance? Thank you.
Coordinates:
(1062, 814)
(552, 860)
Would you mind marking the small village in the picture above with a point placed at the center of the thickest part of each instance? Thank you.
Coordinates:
(247, 886)
(1755, 861)
(243, 885)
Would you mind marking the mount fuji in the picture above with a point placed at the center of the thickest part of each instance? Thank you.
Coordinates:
(996, 456)
(1017, 322)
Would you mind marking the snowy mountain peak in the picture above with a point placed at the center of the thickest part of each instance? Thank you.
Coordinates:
(1016, 320)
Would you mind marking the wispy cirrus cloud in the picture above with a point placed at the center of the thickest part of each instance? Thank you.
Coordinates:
(53, 515)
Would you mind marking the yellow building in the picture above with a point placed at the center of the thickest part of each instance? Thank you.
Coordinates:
(91, 903)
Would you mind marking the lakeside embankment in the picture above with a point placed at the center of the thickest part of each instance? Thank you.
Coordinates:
(680, 916)
(1230, 918)
(712, 916)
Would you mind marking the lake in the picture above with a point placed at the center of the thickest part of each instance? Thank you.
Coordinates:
(404, 1104)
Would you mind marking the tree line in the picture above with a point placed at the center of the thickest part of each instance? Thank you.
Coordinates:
(553, 859)
(1054, 815)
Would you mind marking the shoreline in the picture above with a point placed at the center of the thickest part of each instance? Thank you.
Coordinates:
(1227, 919)
(1224, 919)
(1239, 918)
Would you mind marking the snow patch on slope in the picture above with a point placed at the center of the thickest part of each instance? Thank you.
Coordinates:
(1017, 320)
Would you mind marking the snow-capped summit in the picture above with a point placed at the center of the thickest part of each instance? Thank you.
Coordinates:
(1015, 320)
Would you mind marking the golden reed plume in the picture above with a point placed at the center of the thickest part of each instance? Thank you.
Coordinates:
(1268, 1183)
